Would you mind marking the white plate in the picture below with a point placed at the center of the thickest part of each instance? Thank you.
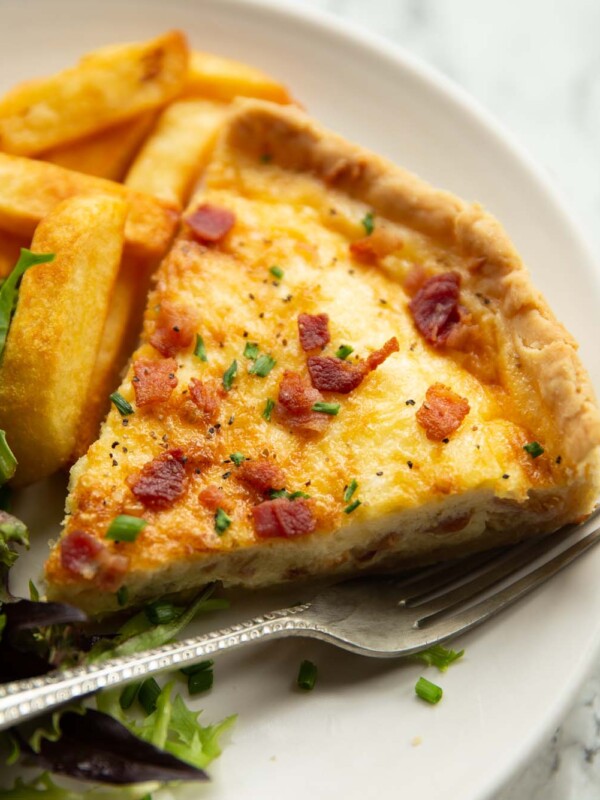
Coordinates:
(352, 736)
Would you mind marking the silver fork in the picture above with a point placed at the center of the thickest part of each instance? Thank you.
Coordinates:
(384, 617)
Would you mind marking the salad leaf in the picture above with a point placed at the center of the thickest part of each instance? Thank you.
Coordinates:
(44, 788)
(139, 634)
(174, 727)
(12, 531)
(9, 291)
(97, 747)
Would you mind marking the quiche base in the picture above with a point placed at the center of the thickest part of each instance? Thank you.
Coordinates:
(544, 390)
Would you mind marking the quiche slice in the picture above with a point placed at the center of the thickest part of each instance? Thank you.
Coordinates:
(341, 369)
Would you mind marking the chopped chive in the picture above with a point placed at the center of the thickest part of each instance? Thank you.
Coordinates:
(428, 691)
(237, 458)
(200, 681)
(268, 410)
(344, 351)
(352, 507)
(307, 676)
(5, 498)
(327, 408)
(33, 592)
(229, 375)
(262, 366)
(8, 462)
(128, 695)
(123, 407)
(349, 490)
(125, 528)
(161, 611)
(275, 494)
(222, 521)
(276, 272)
(148, 694)
(439, 656)
(9, 291)
(251, 351)
(197, 667)
(367, 223)
(295, 495)
(534, 449)
(200, 349)
(122, 596)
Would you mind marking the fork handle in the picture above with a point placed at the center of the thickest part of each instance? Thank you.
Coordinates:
(21, 700)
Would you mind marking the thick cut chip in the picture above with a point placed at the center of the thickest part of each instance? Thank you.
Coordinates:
(55, 333)
(224, 79)
(106, 154)
(119, 336)
(107, 86)
(177, 150)
(29, 190)
(366, 487)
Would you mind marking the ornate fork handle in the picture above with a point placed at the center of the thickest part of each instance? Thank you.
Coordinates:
(24, 699)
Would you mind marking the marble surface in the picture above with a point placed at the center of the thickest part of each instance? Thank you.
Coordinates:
(536, 66)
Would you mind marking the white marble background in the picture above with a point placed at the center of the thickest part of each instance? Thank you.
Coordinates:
(535, 64)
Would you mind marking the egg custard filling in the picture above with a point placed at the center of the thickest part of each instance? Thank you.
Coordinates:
(341, 369)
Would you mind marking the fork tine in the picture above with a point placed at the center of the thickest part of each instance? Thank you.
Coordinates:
(501, 566)
(439, 575)
(478, 613)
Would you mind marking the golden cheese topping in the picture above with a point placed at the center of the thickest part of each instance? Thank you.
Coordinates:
(230, 409)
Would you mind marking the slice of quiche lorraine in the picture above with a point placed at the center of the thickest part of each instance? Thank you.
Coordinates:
(341, 369)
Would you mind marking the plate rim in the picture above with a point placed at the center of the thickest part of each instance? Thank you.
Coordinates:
(343, 30)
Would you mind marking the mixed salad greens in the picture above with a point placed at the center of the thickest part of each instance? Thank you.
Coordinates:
(138, 738)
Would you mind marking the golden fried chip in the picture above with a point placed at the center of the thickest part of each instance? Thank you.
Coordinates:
(53, 340)
(106, 87)
(223, 79)
(177, 150)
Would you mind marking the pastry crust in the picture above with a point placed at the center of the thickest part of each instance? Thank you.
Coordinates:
(299, 195)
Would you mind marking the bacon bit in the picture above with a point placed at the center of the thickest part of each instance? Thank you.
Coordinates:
(210, 223)
(381, 243)
(414, 279)
(329, 374)
(154, 381)
(161, 481)
(175, 329)
(207, 398)
(377, 357)
(313, 330)
(213, 497)
(295, 401)
(80, 554)
(435, 307)
(86, 557)
(261, 475)
(442, 412)
(283, 518)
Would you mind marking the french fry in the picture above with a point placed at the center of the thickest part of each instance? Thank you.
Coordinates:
(56, 331)
(106, 87)
(29, 190)
(10, 248)
(106, 154)
(223, 79)
(176, 152)
(119, 337)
